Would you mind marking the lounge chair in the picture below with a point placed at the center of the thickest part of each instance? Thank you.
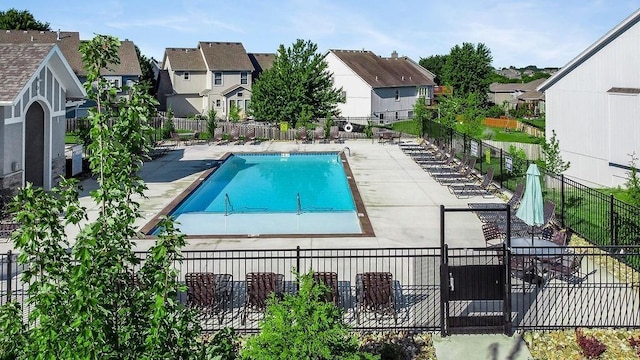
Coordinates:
(495, 216)
(176, 138)
(209, 293)
(484, 188)
(436, 163)
(461, 177)
(259, 286)
(374, 293)
(330, 280)
(218, 139)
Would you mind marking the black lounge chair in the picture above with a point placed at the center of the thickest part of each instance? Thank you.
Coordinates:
(495, 216)
(330, 281)
(209, 293)
(484, 188)
(374, 293)
(259, 286)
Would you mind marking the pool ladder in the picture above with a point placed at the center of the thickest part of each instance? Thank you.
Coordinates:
(299, 205)
(342, 152)
(228, 207)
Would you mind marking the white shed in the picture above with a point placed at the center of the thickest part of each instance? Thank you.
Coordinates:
(593, 104)
(35, 83)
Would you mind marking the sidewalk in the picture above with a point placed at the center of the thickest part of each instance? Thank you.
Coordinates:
(481, 347)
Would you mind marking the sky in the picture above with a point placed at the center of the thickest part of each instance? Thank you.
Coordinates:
(545, 33)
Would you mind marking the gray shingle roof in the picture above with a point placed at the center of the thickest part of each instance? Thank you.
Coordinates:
(513, 87)
(381, 72)
(262, 61)
(18, 63)
(185, 59)
(225, 56)
(69, 43)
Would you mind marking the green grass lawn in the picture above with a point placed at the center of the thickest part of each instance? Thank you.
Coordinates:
(71, 138)
(539, 123)
(497, 134)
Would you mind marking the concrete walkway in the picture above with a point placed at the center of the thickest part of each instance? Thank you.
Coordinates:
(481, 347)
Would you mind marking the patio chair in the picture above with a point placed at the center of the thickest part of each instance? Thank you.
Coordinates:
(492, 235)
(554, 235)
(259, 286)
(330, 280)
(218, 138)
(176, 138)
(209, 293)
(495, 216)
(318, 135)
(6, 229)
(463, 176)
(195, 138)
(301, 134)
(374, 293)
(485, 188)
(334, 134)
(566, 267)
(436, 163)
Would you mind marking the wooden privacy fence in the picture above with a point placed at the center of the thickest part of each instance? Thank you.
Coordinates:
(513, 124)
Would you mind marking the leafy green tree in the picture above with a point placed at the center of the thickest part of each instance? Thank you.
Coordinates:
(168, 127)
(468, 69)
(303, 326)
(633, 180)
(472, 116)
(298, 83)
(212, 121)
(552, 158)
(146, 65)
(234, 113)
(88, 301)
(450, 107)
(435, 64)
(421, 114)
(14, 19)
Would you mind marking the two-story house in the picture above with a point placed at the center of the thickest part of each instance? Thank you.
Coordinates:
(378, 87)
(215, 75)
(126, 72)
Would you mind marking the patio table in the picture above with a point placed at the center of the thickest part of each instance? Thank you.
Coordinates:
(543, 252)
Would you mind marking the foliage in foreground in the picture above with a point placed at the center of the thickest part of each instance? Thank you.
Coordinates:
(563, 344)
(303, 326)
(93, 300)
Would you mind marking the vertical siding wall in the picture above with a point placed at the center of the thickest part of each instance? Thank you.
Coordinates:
(358, 92)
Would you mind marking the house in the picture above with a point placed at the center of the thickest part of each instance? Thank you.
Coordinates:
(378, 87)
(36, 81)
(69, 42)
(593, 105)
(214, 75)
(517, 94)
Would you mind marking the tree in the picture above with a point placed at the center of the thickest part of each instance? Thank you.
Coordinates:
(298, 83)
(468, 69)
(450, 107)
(14, 19)
(146, 65)
(212, 122)
(90, 301)
(421, 114)
(234, 113)
(552, 159)
(472, 115)
(633, 180)
(435, 64)
(303, 326)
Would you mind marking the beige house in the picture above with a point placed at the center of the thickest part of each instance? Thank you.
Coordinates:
(215, 75)
(36, 82)
(518, 93)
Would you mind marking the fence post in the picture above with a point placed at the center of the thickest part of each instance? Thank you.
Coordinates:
(8, 274)
(612, 222)
(562, 208)
(298, 264)
(501, 169)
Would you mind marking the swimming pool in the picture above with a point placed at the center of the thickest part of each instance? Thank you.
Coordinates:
(269, 194)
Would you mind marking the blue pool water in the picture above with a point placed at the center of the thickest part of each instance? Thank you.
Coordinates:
(272, 194)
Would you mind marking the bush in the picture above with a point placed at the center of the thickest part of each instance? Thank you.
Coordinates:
(167, 126)
(303, 326)
(223, 345)
(590, 346)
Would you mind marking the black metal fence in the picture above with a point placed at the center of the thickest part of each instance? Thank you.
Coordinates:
(603, 293)
(593, 214)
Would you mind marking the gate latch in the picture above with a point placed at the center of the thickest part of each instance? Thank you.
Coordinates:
(451, 285)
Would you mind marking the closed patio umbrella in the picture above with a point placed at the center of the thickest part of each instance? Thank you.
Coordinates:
(531, 207)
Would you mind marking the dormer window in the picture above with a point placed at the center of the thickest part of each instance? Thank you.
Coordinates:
(397, 95)
(186, 76)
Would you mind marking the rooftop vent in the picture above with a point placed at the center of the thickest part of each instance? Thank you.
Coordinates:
(394, 54)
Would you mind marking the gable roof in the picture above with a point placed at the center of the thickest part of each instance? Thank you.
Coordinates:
(513, 87)
(381, 72)
(185, 59)
(609, 37)
(20, 62)
(69, 43)
(225, 56)
(262, 61)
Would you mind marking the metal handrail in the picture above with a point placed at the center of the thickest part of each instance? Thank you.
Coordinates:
(227, 205)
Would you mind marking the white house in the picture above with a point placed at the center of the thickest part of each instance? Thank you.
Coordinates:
(35, 82)
(382, 88)
(593, 104)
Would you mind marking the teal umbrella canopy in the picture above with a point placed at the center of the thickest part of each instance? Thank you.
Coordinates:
(531, 209)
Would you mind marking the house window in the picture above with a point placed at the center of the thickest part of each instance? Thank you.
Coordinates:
(381, 116)
(246, 104)
(115, 83)
(396, 115)
(239, 94)
(186, 76)
(217, 78)
(243, 77)
(218, 103)
(410, 114)
(397, 95)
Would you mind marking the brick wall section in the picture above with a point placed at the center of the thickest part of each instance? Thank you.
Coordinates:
(58, 169)
(11, 181)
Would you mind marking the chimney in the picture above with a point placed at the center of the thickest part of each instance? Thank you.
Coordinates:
(58, 35)
(394, 54)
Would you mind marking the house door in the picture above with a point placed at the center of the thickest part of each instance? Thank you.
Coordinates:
(34, 145)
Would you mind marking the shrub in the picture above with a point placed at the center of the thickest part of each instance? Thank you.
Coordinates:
(223, 345)
(168, 127)
(635, 343)
(303, 326)
(590, 346)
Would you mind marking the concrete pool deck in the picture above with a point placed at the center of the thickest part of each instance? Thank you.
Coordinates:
(401, 199)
